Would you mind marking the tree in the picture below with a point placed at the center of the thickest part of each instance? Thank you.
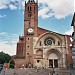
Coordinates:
(12, 64)
(4, 58)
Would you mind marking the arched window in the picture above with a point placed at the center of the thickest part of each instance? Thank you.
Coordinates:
(28, 8)
(34, 7)
(39, 52)
(40, 43)
(59, 43)
(29, 15)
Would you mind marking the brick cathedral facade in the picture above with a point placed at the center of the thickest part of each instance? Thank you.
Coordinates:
(40, 47)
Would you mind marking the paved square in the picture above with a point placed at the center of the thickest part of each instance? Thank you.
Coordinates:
(33, 71)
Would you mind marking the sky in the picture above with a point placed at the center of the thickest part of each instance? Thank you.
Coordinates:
(54, 15)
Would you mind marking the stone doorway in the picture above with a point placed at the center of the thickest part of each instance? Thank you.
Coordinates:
(53, 63)
(53, 60)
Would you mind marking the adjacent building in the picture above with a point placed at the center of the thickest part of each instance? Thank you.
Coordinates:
(40, 47)
(73, 42)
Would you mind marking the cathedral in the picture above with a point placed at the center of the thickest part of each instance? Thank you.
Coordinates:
(39, 47)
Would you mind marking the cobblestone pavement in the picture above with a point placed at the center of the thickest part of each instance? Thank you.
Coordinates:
(37, 72)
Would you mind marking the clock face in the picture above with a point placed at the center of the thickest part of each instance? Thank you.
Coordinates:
(30, 30)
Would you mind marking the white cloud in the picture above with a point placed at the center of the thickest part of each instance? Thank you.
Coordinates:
(12, 7)
(8, 43)
(7, 48)
(59, 8)
(43, 12)
(69, 32)
(74, 5)
(4, 4)
(2, 16)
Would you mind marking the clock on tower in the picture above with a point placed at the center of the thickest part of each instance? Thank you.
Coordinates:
(31, 18)
(30, 30)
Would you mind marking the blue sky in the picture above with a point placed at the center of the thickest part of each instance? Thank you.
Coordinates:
(54, 15)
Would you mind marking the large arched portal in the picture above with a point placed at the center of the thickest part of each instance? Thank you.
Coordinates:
(54, 58)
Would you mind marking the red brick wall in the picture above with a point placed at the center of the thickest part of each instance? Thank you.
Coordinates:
(41, 31)
(20, 49)
(69, 50)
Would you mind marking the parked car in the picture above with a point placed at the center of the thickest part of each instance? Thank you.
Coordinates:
(1, 67)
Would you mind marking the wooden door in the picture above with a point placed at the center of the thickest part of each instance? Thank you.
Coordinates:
(51, 63)
(55, 63)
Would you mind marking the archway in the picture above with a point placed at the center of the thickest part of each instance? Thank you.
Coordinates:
(12, 64)
(54, 58)
(39, 53)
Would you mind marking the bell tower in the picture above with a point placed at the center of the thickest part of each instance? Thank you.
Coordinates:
(30, 28)
(31, 18)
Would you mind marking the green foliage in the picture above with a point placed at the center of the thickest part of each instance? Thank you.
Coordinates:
(12, 66)
(12, 62)
(4, 58)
